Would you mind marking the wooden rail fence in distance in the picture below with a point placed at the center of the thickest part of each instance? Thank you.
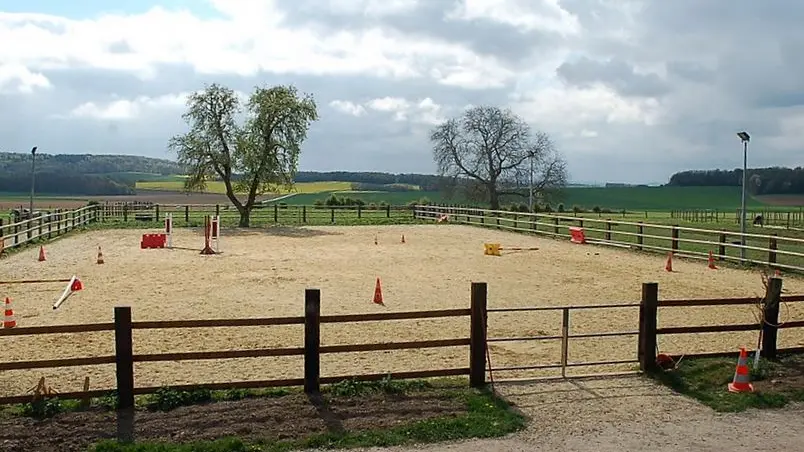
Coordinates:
(774, 251)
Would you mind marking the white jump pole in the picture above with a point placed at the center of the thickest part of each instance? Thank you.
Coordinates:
(169, 229)
(66, 294)
(216, 232)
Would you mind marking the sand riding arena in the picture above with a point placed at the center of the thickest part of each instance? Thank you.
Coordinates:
(263, 273)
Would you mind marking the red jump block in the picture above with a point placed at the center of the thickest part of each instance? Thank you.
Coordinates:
(577, 235)
(153, 241)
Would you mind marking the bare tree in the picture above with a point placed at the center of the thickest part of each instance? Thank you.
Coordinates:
(493, 148)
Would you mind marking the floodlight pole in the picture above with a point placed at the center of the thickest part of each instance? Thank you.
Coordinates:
(530, 196)
(745, 138)
(33, 181)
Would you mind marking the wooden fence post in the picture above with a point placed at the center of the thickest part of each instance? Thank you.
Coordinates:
(276, 213)
(770, 328)
(156, 213)
(648, 311)
(607, 237)
(312, 341)
(217, 210)
(477, 335)
(772, 247)
(640, 239)
(187, 214)
(124, 356)
(387, 211)
(304, 214)
(674, 245)
(332, 215)
(555, 223)
(721, 248)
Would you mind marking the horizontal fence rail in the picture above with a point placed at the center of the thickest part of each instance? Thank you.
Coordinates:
(124, 357)
(774, 251)
(273, 213)
(45, 225)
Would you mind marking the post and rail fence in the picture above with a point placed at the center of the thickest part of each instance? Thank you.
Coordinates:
(479, 369)
(771, 250)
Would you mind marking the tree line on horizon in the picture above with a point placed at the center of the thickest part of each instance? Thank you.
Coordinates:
(760, 181)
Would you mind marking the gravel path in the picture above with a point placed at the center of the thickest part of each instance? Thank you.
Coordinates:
(609, 415)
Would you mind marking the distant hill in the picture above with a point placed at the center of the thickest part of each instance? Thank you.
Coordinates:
(82, 174)
(761, 181)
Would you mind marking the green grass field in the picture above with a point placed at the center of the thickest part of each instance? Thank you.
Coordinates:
(219, 188)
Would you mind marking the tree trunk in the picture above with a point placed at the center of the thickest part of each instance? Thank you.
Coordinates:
(245, 216)
(494, 197)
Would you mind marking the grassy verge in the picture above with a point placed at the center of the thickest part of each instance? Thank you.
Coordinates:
(776, 383)
(481, 414)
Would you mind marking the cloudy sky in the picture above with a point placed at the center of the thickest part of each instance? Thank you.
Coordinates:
(630, 90)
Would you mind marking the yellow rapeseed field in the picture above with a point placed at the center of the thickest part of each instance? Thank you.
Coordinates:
(218, 187)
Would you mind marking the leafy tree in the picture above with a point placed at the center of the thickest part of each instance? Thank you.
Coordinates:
(488, 150)
(253, 157)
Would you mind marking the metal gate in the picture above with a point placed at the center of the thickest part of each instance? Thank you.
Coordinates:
(565, 338)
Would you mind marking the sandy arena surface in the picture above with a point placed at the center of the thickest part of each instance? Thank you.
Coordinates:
(263, 273)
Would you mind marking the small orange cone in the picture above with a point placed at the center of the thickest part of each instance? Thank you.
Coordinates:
(712, 262)
(378, 293)
(100, 255)
(403, 238)
(669, 265)
(742, 379)
(8, 320)
(42, 256)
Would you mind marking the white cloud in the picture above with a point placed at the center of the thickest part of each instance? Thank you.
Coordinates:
(545, 15)
(424, 111)
(18, 78)
(125, 109)
(350, 108)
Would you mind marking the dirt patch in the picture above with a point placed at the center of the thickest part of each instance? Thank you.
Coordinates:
(282, 418)
(785, 376)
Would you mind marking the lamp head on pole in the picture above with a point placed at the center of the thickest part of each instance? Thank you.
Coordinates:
(33, 151)
(744, 136)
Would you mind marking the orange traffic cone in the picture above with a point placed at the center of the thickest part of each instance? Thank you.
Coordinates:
(378, 293)
(76, 285)
(742, 380)
(403, 238)
(8, 320)
(100, 255)
(42, 257)
(712, 262)
(669, 265)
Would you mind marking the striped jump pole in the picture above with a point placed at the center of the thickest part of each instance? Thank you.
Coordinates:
(169, 229)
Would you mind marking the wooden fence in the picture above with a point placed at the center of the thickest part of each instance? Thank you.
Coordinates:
(479, 366)
(649, 330)
(46, 226)
(783, 218)
(124, 358)
(775, 251)
(192, 214)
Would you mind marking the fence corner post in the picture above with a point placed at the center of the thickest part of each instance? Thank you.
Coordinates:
(124, 356)
(477, 335)
(770, 325)
(312, 341)
(648, 311)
